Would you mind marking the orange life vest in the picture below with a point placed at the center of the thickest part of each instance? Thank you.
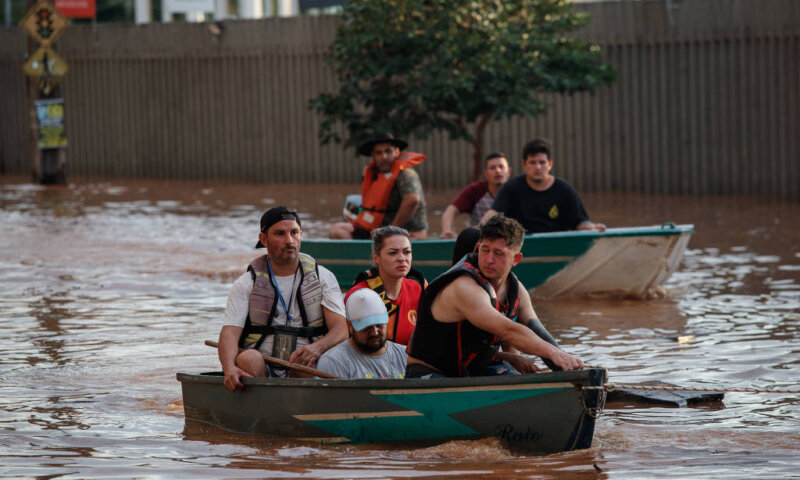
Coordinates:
(403, 310)
(377, 187)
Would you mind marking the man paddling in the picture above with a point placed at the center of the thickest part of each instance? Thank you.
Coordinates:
(469, 311)
(284, 306)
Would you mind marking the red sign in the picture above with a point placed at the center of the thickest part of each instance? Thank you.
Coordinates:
(76, 8)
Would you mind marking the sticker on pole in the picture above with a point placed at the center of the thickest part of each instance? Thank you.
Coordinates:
(50, 114)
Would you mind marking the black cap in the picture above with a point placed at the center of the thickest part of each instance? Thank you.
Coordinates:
(275, 215)
(366, 147)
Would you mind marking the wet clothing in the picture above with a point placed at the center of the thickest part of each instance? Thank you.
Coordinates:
(556, 209)
(346, 361)
(476, 200)
(460, 349)
(402, 310)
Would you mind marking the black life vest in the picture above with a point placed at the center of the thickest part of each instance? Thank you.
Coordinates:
(460, 349)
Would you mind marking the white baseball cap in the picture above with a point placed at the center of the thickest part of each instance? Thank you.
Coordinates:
(365, 308)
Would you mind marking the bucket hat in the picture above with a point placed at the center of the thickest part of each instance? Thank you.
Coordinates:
(365, 148)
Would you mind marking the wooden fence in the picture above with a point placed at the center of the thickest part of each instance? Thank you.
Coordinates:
(708, 102)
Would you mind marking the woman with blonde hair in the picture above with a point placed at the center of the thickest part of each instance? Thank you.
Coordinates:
(399, 285)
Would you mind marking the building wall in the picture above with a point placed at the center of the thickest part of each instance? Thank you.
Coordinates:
(707, 103)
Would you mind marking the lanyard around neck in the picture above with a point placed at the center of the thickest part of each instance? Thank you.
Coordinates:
(280, 295)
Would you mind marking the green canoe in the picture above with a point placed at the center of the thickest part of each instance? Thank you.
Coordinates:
(542, 413)
(628, 260)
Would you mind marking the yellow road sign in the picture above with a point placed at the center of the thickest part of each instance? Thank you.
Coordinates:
(44, 23)
(45, 62)
(47, 68)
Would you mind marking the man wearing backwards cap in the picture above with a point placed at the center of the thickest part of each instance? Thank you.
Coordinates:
(367, 354)
(284, 305)
(391, 192)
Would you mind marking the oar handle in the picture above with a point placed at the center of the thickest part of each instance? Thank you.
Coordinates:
(285, 364)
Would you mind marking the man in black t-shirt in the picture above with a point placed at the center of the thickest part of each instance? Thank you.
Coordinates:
(538, 200)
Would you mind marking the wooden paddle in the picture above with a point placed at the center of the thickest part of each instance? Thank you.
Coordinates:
(285, 364)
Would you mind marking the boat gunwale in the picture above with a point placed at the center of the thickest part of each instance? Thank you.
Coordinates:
(653, 230)
(584, 376)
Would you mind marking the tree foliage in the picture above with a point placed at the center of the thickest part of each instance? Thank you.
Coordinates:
(411, 67)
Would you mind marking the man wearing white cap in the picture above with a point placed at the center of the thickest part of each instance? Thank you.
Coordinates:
(367, 354)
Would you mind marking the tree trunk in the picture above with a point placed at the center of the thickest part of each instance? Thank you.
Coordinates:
(477, 153)
(477, 146)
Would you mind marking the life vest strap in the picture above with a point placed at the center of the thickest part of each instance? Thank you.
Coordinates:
(306, 331)
(376, 210)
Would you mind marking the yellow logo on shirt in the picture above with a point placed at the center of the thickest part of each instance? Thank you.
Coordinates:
(553, 213)
(412, 317)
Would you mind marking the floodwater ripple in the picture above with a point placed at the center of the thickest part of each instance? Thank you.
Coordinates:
(111, 287)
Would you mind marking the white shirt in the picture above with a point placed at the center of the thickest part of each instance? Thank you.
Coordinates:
(238, 305)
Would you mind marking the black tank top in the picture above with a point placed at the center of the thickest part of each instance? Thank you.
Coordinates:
(459, 349)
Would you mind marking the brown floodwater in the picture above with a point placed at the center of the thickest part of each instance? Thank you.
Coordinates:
(110, 287)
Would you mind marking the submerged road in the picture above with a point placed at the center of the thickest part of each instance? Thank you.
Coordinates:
(110, 287)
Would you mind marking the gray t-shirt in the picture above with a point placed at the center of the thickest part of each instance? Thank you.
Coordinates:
(345, 361)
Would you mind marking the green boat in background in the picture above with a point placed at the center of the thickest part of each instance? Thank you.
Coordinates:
(629, 261)
(540, 413)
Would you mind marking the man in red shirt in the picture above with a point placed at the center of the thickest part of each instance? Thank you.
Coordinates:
(476, 198)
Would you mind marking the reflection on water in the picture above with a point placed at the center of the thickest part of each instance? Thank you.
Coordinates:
(110, 288)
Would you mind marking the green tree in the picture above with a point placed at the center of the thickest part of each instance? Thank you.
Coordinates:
(411, 67)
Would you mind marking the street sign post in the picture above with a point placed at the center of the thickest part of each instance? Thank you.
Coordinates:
(44, 24)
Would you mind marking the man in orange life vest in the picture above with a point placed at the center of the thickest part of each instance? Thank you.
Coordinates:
(391, 192)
